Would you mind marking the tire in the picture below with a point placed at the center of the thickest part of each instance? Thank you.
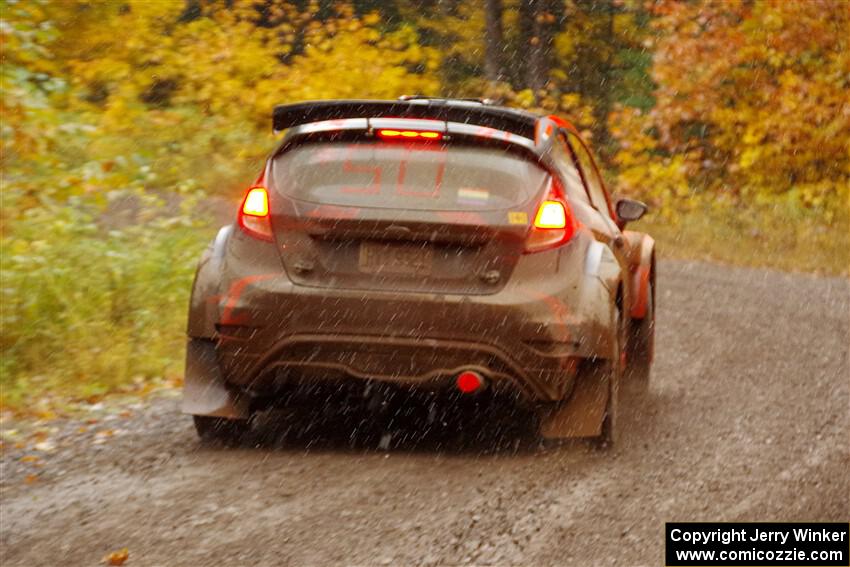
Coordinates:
(613, 370)
(641, 346)
(221, 430)
(610, 425)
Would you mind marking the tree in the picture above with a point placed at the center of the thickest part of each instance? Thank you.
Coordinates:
(755, 95)
(493, 65)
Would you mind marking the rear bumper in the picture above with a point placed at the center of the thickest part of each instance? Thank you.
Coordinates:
(426, 363)
(530, 342)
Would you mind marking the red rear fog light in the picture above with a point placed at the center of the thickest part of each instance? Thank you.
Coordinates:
(469, 381)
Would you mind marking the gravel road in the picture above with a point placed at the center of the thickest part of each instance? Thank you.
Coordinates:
(747, 419)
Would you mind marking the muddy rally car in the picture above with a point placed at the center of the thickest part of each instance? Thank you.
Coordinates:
(423, 245)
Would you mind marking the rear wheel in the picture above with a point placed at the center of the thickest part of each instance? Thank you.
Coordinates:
(612, 371)
(610, 427)
(222, 430)
(641, 345)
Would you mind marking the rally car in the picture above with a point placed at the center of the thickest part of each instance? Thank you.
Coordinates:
(423, 244)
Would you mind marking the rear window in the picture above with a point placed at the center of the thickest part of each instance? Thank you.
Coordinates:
(407, 176)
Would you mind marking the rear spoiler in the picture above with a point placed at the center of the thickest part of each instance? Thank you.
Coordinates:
(466, 112)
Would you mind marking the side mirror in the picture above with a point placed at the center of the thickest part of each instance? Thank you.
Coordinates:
(629, 210)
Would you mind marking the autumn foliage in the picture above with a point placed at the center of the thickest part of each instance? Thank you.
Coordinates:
(751, 105)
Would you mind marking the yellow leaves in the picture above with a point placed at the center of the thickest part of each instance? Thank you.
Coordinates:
(329, 69)
(149, 12)
(644, 172)
(772, 20)
(752, 136)
(525, 98)
(372, 19)
(624, 25)
(117, 557)
(759, 80)
(749, 157)
(205, 84)
(460, 28)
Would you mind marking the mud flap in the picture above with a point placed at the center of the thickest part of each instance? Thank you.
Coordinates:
(583, 413)
(204, 391)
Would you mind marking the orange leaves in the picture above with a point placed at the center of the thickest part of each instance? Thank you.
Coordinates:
(34, 461)
(117, 557)
(750, 94)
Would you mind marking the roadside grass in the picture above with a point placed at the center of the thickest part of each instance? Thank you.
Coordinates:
(764, 239)
(88, 311)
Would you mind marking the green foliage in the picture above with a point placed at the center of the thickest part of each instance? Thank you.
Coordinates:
(91, 305)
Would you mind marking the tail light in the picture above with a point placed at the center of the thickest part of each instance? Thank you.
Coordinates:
(254, 217)
(554, 223)
(551, 214)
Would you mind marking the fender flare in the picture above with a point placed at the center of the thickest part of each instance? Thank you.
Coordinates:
(641, 271)
(203, 303)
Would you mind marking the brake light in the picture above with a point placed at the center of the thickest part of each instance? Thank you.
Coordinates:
(256, 202)
(551, 214)
(408, 134)
(553, 224)
(254, 217)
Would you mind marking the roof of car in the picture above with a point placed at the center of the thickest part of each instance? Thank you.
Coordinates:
(466, 111)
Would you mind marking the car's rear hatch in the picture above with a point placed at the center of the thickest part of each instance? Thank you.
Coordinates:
(401, 215)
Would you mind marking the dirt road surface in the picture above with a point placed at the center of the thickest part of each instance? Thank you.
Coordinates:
(747, 419)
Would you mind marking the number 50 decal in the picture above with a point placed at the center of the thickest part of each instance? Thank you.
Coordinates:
(438, 178)
(349, 167)
(376, 171)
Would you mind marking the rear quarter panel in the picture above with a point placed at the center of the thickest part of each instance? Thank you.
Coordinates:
(227, 267)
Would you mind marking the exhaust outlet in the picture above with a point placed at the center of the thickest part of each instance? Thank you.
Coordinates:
(469, 382)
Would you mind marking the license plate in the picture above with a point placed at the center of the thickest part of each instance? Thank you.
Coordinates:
(379, 258)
